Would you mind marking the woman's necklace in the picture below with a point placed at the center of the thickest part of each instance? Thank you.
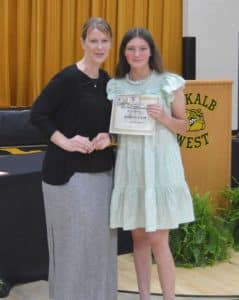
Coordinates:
(94, 81)
(92, 76)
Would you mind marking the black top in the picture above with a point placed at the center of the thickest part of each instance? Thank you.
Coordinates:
(73, 103)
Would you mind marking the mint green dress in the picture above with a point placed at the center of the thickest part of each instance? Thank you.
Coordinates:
(150, 190)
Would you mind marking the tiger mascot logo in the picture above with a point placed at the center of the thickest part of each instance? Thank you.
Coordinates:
(195, 120)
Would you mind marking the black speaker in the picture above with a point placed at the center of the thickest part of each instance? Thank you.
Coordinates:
(125, 242)
(189, 57)
(235, 162)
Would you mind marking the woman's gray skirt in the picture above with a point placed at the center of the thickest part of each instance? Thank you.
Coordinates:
(82, 247)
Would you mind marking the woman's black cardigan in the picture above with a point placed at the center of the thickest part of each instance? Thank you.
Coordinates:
(73, 103)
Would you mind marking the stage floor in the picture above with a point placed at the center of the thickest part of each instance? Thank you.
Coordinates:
(208, 283)
(221, 279)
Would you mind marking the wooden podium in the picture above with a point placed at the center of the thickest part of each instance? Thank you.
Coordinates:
(206, 146)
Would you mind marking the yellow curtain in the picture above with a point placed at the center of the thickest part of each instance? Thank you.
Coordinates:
(40, 37)
(4, 52)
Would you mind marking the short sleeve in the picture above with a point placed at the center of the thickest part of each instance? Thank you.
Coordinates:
(171, 83)
(110, 89)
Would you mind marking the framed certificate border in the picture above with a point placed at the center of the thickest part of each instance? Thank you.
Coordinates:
(129, 115)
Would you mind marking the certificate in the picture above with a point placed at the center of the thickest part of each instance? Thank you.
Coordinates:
(129, 115)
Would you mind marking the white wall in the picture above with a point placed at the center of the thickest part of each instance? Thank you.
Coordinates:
(215, 24)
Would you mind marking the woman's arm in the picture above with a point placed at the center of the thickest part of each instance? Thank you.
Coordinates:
(47, 104)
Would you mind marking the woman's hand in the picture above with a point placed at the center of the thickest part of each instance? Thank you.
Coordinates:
(101, 141)
(80, 143)
(77, 143)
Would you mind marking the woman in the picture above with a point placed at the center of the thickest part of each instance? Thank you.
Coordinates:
(150, 195)
(73, 112)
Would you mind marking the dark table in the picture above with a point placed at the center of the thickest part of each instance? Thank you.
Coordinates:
(23, 241)
(23, 250)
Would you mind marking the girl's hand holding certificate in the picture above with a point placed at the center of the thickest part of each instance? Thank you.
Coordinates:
(157, 112)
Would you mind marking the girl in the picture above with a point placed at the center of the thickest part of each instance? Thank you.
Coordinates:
(150, 195)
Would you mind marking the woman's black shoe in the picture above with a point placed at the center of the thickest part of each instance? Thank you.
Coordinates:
(5, 288)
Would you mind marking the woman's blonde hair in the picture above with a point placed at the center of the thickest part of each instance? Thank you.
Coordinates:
(96, 22)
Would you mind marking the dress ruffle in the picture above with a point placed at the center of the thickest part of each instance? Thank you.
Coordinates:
(150, 208)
